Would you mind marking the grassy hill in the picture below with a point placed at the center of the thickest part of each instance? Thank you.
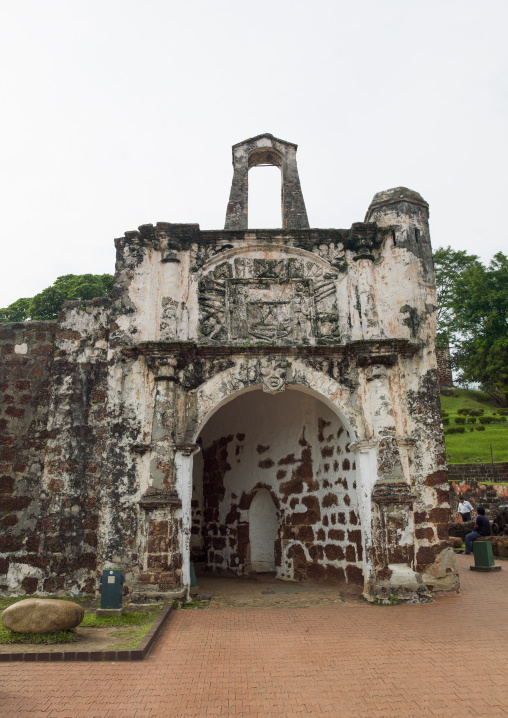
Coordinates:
(474, 445)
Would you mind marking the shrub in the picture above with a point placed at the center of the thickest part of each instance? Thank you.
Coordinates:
(487, 419)
(463, 411)
(460, 420)
(503, 412)
(476, 412)
(471, 420)
(448, 392)
(446, 420)
(480, 428)
(444, 413)
(456, 430)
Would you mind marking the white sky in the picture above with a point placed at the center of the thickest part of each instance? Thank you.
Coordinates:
(116, 113)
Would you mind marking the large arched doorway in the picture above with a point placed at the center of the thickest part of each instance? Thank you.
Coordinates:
(283, 459)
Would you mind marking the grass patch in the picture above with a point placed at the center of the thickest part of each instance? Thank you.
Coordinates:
(487, 483)
(7, 636)
(134, 629)
(468, 399)
(132, 626)
(474, 446)
(196, 604)
(128, 619)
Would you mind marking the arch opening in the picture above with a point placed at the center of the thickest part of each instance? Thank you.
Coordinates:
(275, 489)
(265, 197)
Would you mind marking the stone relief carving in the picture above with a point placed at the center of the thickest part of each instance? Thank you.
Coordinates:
(269, 300)
(201, 253)
(174, 320)
(274, 373)
(271, 372)
(334, 253)
(168, 320)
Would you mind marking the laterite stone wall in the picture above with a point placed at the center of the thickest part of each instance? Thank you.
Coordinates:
(26, 356)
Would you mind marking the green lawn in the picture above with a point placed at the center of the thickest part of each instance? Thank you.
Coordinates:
(133, 626)
(474, 446)
(468, 399)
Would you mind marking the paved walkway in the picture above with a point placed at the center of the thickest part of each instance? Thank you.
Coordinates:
(442, 659)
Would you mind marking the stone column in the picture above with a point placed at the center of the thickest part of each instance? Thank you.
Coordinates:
(391, 520)
(183, 482)
(162, 444)
(366, 295)
(366, 471)
(294, 214)
(364, 240)
(238, 205)
(383, 421)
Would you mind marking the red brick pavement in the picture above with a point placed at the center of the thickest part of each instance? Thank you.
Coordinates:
(442, 659)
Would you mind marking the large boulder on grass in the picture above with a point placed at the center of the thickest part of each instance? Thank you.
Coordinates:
(42, 615)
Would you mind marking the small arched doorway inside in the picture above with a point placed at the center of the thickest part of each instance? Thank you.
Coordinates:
(263, 532)
(275, 485)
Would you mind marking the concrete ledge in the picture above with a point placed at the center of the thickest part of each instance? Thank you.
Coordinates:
(485, 569)
(135, 654)
(109, 611)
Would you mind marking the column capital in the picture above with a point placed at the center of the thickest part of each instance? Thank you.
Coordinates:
(363, 446)
(187, 449)
(406, 442)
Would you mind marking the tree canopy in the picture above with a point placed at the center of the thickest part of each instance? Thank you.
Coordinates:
(449, 264)
(48, 303)
(473, 317)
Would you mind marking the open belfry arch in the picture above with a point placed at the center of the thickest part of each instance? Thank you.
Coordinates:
(266, 150)
(255, 399)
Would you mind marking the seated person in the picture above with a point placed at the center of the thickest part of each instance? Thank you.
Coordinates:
(481, 528)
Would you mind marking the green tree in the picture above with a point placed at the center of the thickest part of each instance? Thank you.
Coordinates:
(449, 264)
(480, 311)
(48, 303)
(16, 312)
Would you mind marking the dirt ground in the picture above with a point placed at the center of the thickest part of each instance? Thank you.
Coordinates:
(262, 590)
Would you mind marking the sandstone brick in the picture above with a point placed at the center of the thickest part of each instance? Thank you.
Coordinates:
(425, 533)
(16, 412)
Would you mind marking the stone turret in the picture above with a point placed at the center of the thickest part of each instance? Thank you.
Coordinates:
(407, 214)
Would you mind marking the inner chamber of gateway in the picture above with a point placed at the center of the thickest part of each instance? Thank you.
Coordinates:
(274, 489)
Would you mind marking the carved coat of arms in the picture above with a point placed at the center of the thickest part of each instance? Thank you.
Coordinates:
(283, 301)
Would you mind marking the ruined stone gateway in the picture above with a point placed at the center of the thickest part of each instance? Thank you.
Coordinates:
(261, 400)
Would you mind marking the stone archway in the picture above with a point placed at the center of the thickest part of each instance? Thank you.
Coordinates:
(293, 449)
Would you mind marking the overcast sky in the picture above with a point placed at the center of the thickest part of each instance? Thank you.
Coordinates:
(116, 113)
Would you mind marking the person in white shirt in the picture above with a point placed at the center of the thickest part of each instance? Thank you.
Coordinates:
(465, 509)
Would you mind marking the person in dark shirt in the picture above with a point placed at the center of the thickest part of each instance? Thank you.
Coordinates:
(481, 528)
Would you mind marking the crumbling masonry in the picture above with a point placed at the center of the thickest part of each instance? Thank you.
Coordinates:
(261, 400)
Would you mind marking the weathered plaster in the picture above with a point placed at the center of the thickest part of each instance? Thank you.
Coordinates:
(102, 411)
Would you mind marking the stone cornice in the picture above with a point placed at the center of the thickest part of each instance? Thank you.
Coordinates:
(376, 351)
